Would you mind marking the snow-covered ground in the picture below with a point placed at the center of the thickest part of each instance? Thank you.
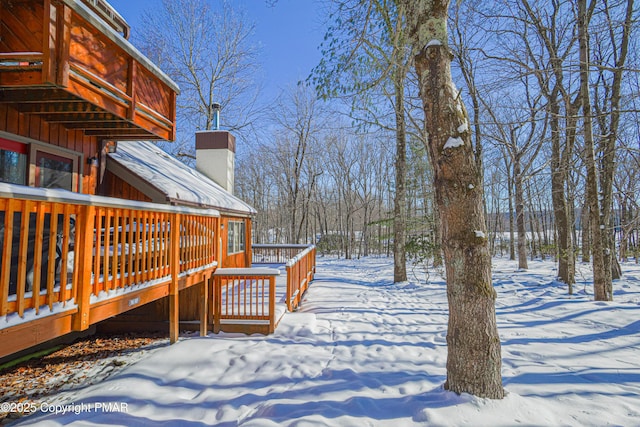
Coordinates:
(363, 351)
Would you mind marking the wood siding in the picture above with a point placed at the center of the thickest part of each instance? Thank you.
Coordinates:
(113, 186)
(239, 260)
(25, 20)
(34, 127)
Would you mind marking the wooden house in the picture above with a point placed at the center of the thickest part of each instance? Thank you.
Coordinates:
(95, 223)
(71, 86)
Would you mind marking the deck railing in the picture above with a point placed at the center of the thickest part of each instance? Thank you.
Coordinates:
(244, 300)
(93, 257)
(275, 254)
(300, 261)
(300, 272)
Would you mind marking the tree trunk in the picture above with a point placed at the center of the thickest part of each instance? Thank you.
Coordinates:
(586, 232)
(473, 360)
(520, 223)
(566, 258)
(512, 228)
(601, 275)
(400, 200)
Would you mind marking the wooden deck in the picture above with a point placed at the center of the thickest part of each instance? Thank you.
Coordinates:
(81, 259)
(70, 261)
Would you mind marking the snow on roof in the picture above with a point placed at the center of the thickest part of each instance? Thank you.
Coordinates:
(179, 182)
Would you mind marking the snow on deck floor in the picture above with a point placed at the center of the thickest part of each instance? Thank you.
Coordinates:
(365, 351)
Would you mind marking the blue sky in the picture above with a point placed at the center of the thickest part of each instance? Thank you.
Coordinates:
(289, 33)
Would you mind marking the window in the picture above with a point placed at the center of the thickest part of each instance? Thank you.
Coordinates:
(54, 171)
(13, 162)
(235, 237)
(39, 165)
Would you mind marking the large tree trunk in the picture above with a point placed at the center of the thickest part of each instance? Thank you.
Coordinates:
(474, 360)
(601, 271)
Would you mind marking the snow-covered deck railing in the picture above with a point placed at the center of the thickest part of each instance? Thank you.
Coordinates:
(245, 300)
(300, 261)
(97, 256)
(300, 271)
(275, 254)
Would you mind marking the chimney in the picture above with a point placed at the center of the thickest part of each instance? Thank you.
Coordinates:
(215, 156)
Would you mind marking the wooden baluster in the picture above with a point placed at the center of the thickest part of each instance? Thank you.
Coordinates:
(145, 246)
(5, 276)
(124, 218)
(115, 253)
(156, 245)
(66, 238)
(52, 256)
(97, 247)
(22, 257)
(134, 247)
(37, 256)
(165, 249)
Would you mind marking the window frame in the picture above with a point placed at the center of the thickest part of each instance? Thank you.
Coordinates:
(33, 148)
(10, 146)
(236, 236)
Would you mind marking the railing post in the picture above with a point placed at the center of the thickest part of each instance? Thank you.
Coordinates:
(289, 293)
(272, 304)
(174, 266)
(217, 302)
(85, 245)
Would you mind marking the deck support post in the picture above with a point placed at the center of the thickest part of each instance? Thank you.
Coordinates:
(217, 301)
(204, 306)
(174, 315)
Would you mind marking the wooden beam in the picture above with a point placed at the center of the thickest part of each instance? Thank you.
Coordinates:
(103, 122)
(39, 95)
(122, 133)
(32, 333)
(61, 107)
(123, 303)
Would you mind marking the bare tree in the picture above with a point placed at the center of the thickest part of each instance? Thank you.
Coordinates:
(366, 51)
(300, 120)
(600, 179)
(210, 54)
(474, 360)
(519, 132)
(537, 39)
